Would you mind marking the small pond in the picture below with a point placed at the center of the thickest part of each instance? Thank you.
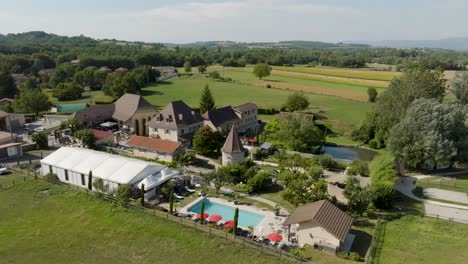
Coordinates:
(348, 152)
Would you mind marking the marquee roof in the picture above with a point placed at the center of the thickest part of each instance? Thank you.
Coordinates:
(105, 166)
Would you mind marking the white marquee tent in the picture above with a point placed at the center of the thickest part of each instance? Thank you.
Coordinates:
(72, 165)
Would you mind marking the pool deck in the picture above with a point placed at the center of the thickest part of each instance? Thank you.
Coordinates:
(269, 224)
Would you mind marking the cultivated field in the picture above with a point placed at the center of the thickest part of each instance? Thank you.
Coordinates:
(46, 223)
(366, 73)
(347, 88)
(343, 114)
(418, 240)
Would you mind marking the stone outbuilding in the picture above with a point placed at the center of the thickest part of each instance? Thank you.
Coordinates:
(232, 151)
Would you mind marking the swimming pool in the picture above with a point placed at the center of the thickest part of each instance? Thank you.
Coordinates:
(246, 218)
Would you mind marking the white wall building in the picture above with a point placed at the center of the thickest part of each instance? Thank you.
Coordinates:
(72, 165)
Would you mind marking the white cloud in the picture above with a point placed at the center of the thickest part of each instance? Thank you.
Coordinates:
(254, 20)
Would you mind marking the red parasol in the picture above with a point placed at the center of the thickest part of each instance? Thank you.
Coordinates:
(215, 218)
(275, 237)
(205, 215)
(229, 224)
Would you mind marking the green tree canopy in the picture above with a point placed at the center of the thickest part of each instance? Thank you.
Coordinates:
(207, 101)
(382, 169)
(187, 66)
(459, 88)
(431, 133)
(32, 101)
(219, 178)
(262, 70)
(303, 189)
(298, 132)
(7, 85)
(87, 138)
(67, 91)
(372, 94)
(296, 102)
(206, 140)
(40, 138)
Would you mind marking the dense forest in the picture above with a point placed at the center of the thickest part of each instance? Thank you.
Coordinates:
(32, 51)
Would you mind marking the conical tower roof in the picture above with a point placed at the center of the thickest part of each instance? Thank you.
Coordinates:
(233, 143)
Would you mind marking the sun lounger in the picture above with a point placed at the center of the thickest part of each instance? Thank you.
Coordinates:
(189, 190)
(178, 197)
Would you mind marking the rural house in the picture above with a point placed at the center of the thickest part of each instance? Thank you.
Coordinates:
(154, 148)
(94, 115)
(72, 166)
(244, 117)
(133, 111)
(177, 121)
(323, 225)
(232, 151)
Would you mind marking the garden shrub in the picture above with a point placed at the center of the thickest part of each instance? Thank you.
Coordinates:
(259, 182)
(51, 177)
(359, 167)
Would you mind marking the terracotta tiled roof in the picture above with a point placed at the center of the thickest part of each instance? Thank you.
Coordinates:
(155, 144)
(326, 215)
(176, 114)
(100, 134)
(233, 143)
(128, 104)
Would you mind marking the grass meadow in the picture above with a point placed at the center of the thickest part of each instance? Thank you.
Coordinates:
(416, 239)
(457, 183)
(342, 114)
(46, 223)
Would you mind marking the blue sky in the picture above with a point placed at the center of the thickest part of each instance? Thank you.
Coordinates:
(239, 20)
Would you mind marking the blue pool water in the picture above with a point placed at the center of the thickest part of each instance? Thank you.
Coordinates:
(246, 218)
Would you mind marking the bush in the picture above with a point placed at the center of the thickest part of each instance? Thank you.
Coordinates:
(359, 167)
(40, 138)
(382, 169)
(260, 182)
(297, 252)
(327, 162)
(123, 195)
(381, 196)
(51, 177)
(351, 256)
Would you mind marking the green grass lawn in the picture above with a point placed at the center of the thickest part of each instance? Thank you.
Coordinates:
(457, 183)
(12, 178)
(415, 239)
(341, 113)
(368, 74)
(45, 223)
(89, 97)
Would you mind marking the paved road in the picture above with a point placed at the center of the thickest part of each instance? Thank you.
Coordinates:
(457, 213)
(459, 197)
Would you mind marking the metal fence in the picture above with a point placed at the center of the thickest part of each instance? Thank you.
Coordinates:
(7, 181)
(377, 240)
(207, 229)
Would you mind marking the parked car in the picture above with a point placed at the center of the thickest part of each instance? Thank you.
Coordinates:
(3, 170)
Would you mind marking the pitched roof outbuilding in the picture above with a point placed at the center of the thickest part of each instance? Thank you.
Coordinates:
(176, 114)
(155, 144)
(219, 116)
(128, 104)
(95, 113)
(233, 143)
(325, 214)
